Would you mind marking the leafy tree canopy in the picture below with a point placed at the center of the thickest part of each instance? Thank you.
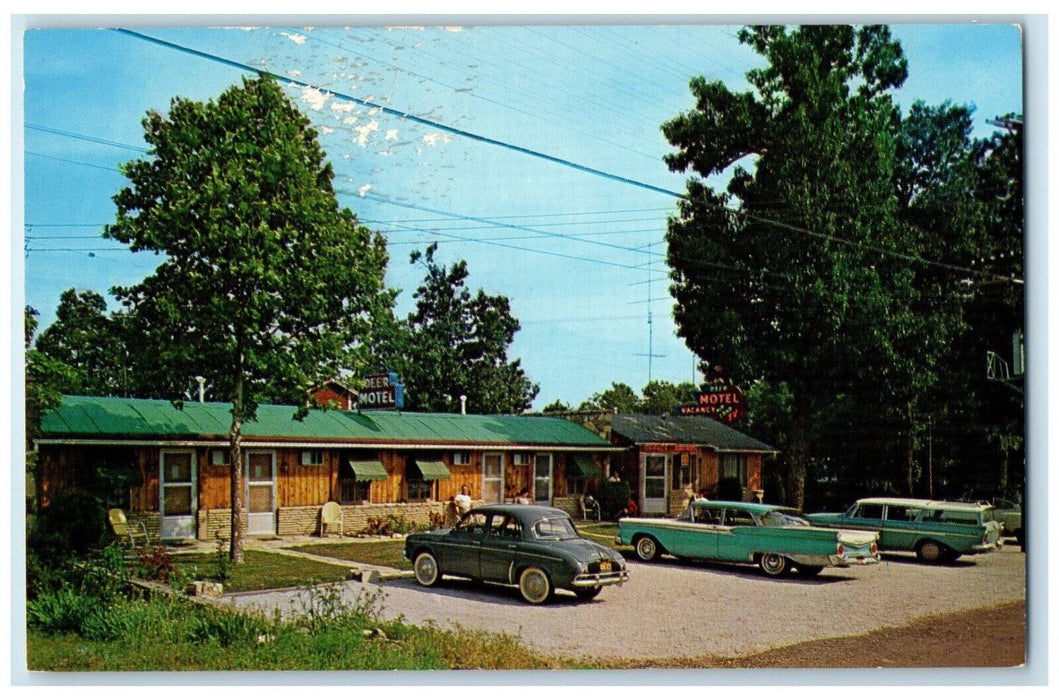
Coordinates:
(90, 343)
(455, 344)
(268, 287)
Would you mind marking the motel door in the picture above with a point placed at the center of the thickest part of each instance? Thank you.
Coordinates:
(493, 477)
(261, 493)
(654, 478)
(178, 495)
(542, 479)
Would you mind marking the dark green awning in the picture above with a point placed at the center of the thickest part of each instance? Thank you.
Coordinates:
(433, 471)
(586, 467)
(368, 470)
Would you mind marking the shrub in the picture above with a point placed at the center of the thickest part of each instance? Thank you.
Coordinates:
(155, 564)
(729, 489)
(225, 628)
(613, 497)
(60, 611)
(72, 524)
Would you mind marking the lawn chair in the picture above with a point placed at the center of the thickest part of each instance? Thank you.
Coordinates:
(330, 517)
(127, 530)
(590, 509)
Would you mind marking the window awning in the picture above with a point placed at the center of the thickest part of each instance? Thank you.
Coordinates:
(433, 471)
(368, 470)
(586, 467)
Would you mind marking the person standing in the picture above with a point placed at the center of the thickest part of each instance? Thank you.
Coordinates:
(462, 501)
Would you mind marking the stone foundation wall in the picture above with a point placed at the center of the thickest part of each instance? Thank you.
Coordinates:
(305, 520)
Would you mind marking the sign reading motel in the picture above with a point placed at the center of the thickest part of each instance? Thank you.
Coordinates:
(381, 391)
(718, 400)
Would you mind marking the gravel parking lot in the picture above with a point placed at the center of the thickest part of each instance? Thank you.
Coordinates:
(672, 609)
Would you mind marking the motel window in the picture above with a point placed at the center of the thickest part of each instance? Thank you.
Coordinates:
(734, 467)
(219, 457)
(520, 458)
(312, 458)
(114, 474)
(353, 491)
(461, 457)
(418, 487)
(685, 470)
(353, 487)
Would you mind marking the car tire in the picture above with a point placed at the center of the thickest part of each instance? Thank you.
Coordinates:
(588, 593)
(774, 565)
(426, 568)
(808, 571)
(930, 551)
(647, 548)
(534, 585)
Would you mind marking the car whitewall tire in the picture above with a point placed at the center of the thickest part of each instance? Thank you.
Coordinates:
(427, 571)
(774, 564)
(534, 585)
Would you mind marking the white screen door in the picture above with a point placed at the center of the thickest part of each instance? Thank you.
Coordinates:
(493, 477)
(177, 495)
(542, 479)
(261, 493)
(654, 477)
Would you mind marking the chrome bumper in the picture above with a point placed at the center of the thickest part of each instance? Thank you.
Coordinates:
(833, 560)
(601, 579)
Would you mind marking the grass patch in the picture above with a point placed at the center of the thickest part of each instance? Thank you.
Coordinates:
(604, 533)
(330, 635)
(375, 552)
(260, 571)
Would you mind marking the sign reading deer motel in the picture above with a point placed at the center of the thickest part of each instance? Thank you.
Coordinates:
(718, 400)
(381, 391)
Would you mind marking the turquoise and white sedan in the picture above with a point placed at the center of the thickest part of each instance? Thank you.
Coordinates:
(776, 538)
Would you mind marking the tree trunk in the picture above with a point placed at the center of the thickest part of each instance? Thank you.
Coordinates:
(235, 467)
(798, 458)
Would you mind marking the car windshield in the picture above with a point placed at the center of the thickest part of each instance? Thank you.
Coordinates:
(555, 529)
(784, 518)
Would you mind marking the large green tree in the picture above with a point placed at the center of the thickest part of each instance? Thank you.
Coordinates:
(90, 342)
(454, 344)
(268, 286)
(784, 276)
(619, 398)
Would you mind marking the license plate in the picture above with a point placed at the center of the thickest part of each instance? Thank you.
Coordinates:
(604, 566)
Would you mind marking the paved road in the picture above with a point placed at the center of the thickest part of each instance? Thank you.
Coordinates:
(670, 609)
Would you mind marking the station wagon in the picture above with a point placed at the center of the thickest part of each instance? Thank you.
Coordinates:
(934, 530)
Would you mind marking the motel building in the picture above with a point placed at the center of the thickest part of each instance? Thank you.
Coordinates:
(168, 466)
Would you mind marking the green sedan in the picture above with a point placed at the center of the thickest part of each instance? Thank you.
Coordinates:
(534, 547)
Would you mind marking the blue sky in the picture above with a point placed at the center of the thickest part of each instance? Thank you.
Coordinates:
(535, 153)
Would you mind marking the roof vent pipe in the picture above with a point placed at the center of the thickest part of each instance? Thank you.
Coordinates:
(202, 389)
(463, 404)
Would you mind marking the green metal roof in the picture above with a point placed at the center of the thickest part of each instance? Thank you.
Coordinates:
(96, 418)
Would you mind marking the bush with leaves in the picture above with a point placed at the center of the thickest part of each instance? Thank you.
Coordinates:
(613, 497)
(71, 525)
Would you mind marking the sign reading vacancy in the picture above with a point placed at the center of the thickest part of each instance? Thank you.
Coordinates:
(718, 400)
(381, 391)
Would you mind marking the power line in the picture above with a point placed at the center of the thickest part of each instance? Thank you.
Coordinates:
(540, 155)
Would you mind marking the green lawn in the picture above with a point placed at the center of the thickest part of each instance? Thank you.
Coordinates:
(260, 571)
